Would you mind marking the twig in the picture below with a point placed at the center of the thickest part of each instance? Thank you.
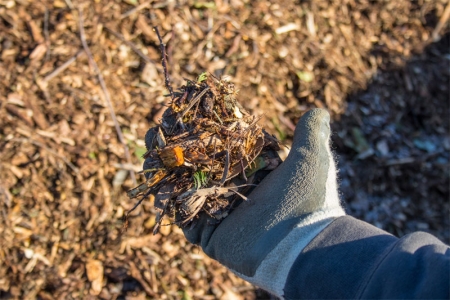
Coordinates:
(106, 93)
(193, 102)
(243, 171)
(196, 109)
(134, 10)
(64, 66)
(128, 167)
(442, 22)
(79, 93)
(69, 4)
(218, 118)
(212, 161)
(46, 35)
(36, 143)
(147, 193)
(131, 45)
(162, 47)
(226, 167)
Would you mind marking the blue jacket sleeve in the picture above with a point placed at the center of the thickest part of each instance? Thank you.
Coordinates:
(352, 259)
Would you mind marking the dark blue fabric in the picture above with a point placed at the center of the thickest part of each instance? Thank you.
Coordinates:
(352, 259)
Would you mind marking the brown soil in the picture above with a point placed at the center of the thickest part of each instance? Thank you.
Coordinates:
(381, 68)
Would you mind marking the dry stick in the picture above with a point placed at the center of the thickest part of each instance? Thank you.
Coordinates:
(128, 167)
(162, 47)
(131, 45)
(47, 37)
(69, 4)
(442, 21)
(193, 102)
(212, 161)
(196, 109)
(227, 166)
(136, 9)
(106, 93)
(243, 170)
(147, 193)
(64, 66)
(36, 143)
(125, 217)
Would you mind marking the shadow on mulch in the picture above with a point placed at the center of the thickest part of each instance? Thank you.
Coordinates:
(393, 146)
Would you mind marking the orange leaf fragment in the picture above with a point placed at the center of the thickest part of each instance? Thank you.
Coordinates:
(172, 156)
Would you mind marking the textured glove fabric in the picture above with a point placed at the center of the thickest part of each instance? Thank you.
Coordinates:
(262, 237)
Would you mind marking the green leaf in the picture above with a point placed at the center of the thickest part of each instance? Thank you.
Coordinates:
(15, 191)
(200, 179)
(258, 164)
(202, 77)
(305, 76)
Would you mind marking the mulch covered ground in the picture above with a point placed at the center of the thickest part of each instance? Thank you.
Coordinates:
(380, 68)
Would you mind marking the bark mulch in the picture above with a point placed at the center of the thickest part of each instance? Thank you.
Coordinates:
(81, 83)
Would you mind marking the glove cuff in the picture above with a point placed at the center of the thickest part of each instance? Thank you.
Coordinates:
(272, 273)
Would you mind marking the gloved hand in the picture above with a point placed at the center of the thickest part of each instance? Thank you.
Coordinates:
(262, 237)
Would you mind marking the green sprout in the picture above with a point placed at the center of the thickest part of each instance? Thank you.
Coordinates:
(200, 179)
(202, 77)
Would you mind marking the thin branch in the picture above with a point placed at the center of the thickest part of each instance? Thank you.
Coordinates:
(162, 47)
(131, 45)
(442, 22)
(193, 102)
(128, 167)
(46, 35)
(134, 10)
(106, 93)
(64, 66)
(36, 143)
(69, 4)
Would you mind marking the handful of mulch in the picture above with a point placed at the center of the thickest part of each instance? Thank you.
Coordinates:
(207, 154)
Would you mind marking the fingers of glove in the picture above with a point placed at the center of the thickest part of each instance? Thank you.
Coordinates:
(201, 230)
(310, 149)
(300, 181)
(312, 132)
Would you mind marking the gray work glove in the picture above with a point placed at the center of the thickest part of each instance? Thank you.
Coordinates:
(261, 238)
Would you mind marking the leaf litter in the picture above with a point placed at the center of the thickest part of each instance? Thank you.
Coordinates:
(205, 154)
